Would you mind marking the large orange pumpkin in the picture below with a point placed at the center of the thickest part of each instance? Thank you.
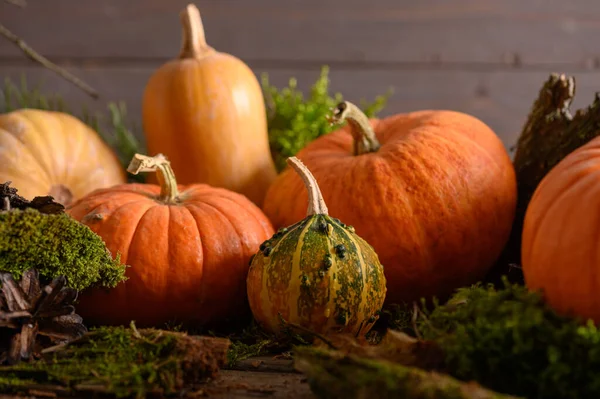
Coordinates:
(560, 238)
(54, 153)
(205, 111)
(188, 248)
(434, 192)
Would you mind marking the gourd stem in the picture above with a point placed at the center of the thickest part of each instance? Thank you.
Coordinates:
(365, 140)
(193, 44)
(162, 167)
(316, 203)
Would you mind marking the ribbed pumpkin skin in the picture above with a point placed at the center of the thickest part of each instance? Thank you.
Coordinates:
(561, 234)
(189, 261)
(436, 201)
(301, 275)
(49, 152)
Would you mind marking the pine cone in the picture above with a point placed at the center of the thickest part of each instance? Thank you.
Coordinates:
(31, 311)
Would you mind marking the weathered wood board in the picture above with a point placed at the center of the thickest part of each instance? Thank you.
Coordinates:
(522, 32)
(483, 57)
(501, 99)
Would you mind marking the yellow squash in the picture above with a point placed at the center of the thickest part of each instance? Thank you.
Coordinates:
(54, 153)
(205, 112)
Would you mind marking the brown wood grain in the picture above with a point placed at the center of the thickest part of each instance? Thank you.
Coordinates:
(300, 33)
(501, 99)
(248, 384)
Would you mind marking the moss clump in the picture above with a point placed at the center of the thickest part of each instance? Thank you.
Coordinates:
(253, 341)
(509, 340)
(333, 374)
(56, 245)
(120, 361)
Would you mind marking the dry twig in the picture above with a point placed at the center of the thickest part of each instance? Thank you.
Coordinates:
(18, 3)
(46, 63)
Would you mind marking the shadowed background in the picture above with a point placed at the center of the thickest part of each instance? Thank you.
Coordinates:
(484, 57)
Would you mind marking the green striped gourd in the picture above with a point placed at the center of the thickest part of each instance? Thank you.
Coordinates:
(318, 273)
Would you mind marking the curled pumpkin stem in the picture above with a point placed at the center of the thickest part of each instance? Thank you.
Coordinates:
(166, 177)
(365, 140)
(316, 203)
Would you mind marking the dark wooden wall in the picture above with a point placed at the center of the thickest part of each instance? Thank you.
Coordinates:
(484, 57)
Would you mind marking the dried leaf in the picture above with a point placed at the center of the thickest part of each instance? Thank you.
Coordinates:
(14, 295)
(30, 283)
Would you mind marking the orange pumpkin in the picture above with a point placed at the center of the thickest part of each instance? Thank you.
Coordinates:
(54, 153)
(189, 249)
(205, 111)
(434, 192)
(559, 253)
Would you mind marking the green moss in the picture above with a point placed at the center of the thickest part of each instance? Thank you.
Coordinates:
(121, 361)
(333, 374)
(56, 245)
(295, 120)
(509, 340)
(253, 341)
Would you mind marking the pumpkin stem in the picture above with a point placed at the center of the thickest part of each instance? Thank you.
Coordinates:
(166, 176)
(365, 140)
(193, 44)
(316, 203)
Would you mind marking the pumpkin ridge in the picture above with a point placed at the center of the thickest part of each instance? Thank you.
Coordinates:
(294, 286)
(34, 157)
(48, 144)
(77, 150)
(589, 178)
(461, 140)
(308, 298)
(266, 303)
(412, 220)
(129, 293)
(253, 214)
(351, 288)
(238, 233)
(363, 264)
(187, 207)
(63, 179)
(334, 286)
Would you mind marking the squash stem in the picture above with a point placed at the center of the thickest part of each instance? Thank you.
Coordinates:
(166, 177)
(193, 44)
(316, 203)
(365, 140)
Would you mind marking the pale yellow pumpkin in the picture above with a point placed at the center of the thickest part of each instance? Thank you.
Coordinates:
(54, 153)
(205, 112)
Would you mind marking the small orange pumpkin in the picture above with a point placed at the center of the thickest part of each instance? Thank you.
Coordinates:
(189, 249)
(559, 252)
(434, 192)
(205, 111)
(54, 153)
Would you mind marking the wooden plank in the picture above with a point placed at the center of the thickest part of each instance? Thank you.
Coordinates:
(247, 384)
(501, 99)
(272, 364)
(306, 32)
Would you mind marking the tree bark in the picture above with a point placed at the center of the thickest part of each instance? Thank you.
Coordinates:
(550, 133)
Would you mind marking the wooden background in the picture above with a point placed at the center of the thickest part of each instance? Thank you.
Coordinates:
(484, 57)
